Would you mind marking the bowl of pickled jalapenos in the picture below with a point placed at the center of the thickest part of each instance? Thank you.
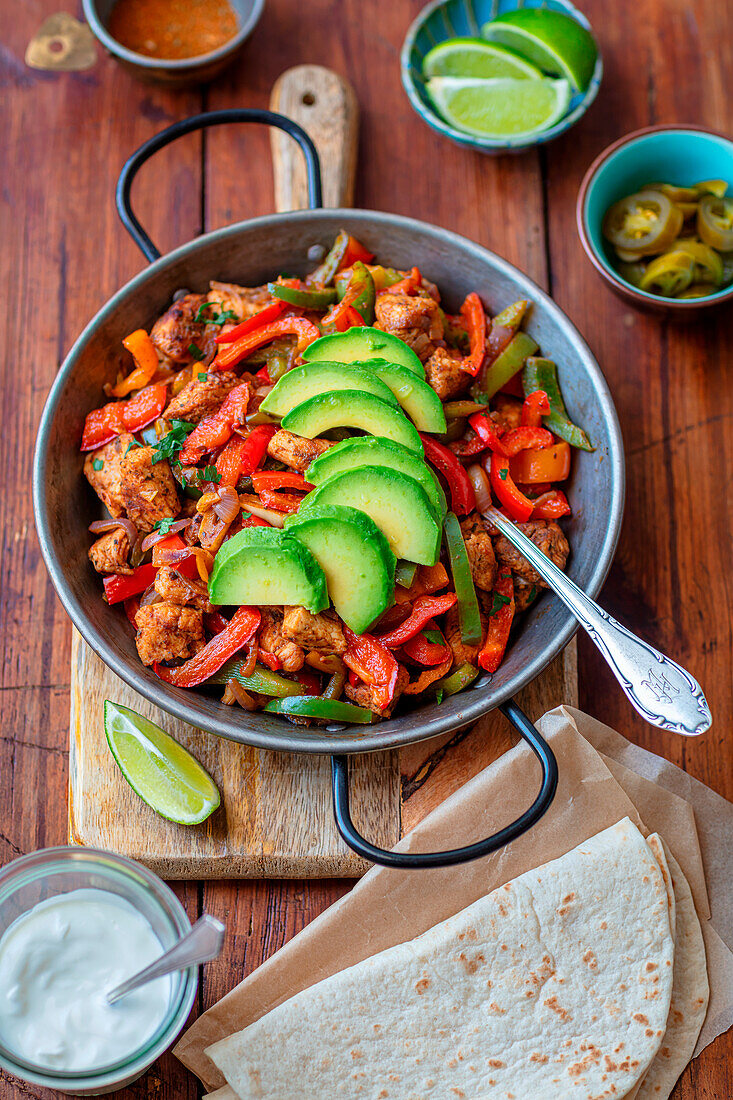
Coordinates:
(655, 216)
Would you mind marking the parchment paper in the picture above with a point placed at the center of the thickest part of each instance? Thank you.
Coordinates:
(388, 906)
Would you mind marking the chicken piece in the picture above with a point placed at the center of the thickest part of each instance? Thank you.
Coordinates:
(463, 653)
(109, 553)
(245, 301)
(296, 451)
(198, 399)
(507, 412)
(103, 471)
(147, 488)
(444, 373)
(273, 640)
(363, 694)
(173, 588)
(480, 552)
(176, 330)
(166, 632)
(417, 321)
(545, 534)
(524, 596)
(313, 631)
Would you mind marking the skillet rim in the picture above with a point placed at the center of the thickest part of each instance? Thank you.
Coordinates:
(394, 732)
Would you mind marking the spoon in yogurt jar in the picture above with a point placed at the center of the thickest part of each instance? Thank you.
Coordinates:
(202, 944)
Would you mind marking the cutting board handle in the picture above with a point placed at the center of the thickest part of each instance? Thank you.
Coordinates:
(325, 105)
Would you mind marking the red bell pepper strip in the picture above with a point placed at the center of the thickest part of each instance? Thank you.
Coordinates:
(536, 405)
(280, 479)
(423, 610)
(551, 505)
(517, 504)
(242, 456)
(308, 681)
(463, 498)
(474, 318)
(118, 587)
(132, 606)
(425, 652)
(468, 447)
(232, 354)
(239, 630)
(355, 250)
(408, 285)
(373, 663)
(272, 661)
(142, 350)
(269, 313)
(215, 622)
(280, 502)
(514, 386)
(254, 521)
(500, 623)
(264, 375)
(216, 429)
(102, 425)
(525, 438)
(484, 428)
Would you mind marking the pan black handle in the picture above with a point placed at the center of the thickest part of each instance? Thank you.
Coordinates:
(200, 122)
(410, 860)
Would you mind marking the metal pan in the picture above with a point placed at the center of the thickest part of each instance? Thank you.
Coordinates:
(248, 253)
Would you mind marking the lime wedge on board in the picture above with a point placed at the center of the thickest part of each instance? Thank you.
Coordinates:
(475, 57)
(550, 39)
(158, 768)
(501, 108)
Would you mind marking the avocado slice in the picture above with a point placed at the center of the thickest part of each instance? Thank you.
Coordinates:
(397, 503)
(369, 450)
(297, 385)
(355, 558)
(352, 409)
(263, 565)
(417, 398)
(361, 343)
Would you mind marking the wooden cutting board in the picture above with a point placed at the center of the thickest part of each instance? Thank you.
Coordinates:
(276, 819)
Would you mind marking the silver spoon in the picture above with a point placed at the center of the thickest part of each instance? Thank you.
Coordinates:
(202, 943)
(662, 692)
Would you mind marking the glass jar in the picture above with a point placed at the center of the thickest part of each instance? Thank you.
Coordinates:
(52, 871)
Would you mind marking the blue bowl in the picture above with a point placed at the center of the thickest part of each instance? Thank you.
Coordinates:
(676, 154)
(444, 19)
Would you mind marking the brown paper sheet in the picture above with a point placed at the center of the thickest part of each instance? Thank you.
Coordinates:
(388, 907)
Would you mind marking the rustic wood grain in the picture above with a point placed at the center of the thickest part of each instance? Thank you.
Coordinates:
(65, 136)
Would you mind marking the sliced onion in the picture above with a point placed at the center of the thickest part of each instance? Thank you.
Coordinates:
(101, 525)
(243, 697)
(277, 519)
(150, 596)
(227, 506)
(480, 484)
(136, 554)
(155, 536)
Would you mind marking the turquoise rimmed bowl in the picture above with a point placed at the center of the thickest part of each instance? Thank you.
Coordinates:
(444, 19)
(679, 154)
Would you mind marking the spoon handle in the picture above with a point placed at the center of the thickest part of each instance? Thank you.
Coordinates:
(663, 693)
(202, 943)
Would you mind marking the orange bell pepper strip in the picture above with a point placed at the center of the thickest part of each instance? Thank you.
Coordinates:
(423, 609)
(142, 350)
(536, 405)
(216, 429)
(243, 455)
(472, 312)
(102, 425)
(373, 663)
(408, 285)
(268, 313)
(517, 505)
(492, 651)
(546, 464)
(551, 505)
(240, 629)
(233, 353)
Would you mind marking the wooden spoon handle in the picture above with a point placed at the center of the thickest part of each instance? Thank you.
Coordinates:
(325, 106)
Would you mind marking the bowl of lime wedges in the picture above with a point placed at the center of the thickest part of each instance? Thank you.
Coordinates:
(501, 75)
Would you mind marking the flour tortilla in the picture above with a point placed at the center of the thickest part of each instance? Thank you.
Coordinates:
(556, 984)
(226, 1093)
(690, 996)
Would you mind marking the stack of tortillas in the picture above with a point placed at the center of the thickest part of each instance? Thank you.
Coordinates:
(582, 978)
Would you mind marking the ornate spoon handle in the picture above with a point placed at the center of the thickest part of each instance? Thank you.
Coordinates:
(662, 692)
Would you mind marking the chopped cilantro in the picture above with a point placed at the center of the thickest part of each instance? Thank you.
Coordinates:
(498, 602)
(170, 444)
(164, 525)
(218, 318)
(130, 445)
(503, 474)
(98, 464)
(195, 351)
(203, 376)
(532, 593)
(439, 696)
(209, 473)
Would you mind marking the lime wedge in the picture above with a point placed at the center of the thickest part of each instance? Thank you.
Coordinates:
(475, 57)
(500, 108)
(158, 768)
(550, 39)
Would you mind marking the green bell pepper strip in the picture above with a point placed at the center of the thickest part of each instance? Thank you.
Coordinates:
(314, 706)
(262, 679)
(359, 295)
(455, 681)
(468, 611)
(404, 573)
(505, 366)
(541, 374)
(326, 271)
(383, 277)
(305, 299)
(512, 316)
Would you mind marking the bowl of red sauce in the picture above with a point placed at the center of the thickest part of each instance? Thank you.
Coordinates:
(173, 42)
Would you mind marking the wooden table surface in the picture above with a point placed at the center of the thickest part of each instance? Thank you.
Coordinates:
(64, 139)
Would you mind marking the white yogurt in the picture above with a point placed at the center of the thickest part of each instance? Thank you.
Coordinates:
(57, 963)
